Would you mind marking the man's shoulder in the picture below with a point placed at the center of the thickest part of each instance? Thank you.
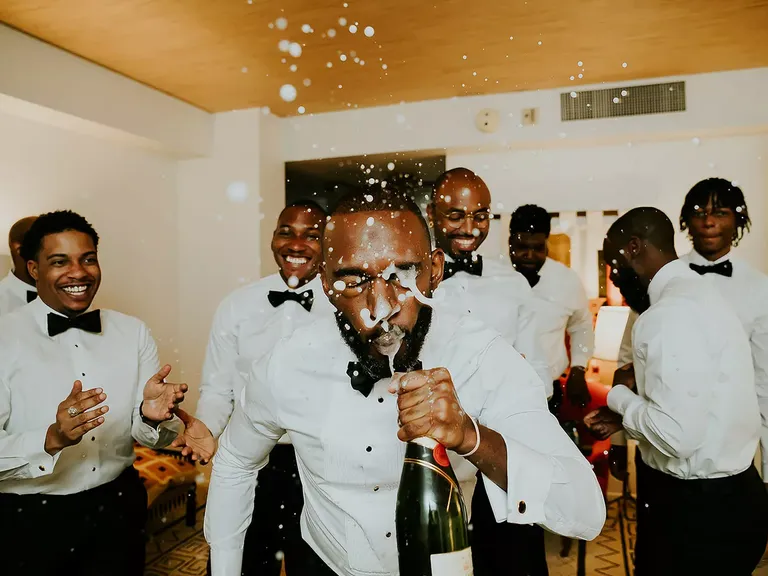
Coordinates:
(500, 270)
(254, 290)
(122, 322)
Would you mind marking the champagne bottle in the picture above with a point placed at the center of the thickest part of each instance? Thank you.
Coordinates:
(431, 516)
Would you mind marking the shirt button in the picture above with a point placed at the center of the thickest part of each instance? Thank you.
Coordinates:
(42, 468)
(368, 449)
(93, 469)
(375, 488)
(389, 534)
(83, 373)
(381, 400)
(521, 507)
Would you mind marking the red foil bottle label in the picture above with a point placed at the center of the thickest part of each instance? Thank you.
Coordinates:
(440, 455)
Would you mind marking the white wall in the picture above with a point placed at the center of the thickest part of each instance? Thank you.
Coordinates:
(129, 196)
(723, 103)
(218, 231)
(38, 80)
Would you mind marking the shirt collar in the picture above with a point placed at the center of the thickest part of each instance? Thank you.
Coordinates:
(696, 258)
(315, 284)
(19, 287)
(675, 269)
(40, 311)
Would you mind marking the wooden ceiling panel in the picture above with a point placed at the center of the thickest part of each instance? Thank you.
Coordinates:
(223, 54)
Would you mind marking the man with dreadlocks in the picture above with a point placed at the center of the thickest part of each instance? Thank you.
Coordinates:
(716, 218)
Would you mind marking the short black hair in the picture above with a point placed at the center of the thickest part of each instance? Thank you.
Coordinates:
(308, 204)
(54, 223)
(722, 194)
(646, 223)
(366, 198)
(531, 219)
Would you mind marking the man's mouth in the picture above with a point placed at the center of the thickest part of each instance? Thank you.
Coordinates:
(76, 290)
(464, 243)
(389, 341)
(296, 260)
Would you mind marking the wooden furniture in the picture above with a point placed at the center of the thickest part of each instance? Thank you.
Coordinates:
(170, 481)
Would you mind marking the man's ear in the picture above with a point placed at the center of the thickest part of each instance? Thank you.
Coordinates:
(634, 247)
(436, 274)
(33, 269)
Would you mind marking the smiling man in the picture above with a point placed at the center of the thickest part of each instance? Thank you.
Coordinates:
(77, 387)
(329, 388)
(18, 288)
(701, 505)
(500, 297)
(248, 324)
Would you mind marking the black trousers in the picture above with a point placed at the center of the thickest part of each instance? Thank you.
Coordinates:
(717, 526)
(507, 549)
(98, 532)
(504, 549)
(275, 532)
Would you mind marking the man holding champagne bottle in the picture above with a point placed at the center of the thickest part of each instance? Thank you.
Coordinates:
(467, 400)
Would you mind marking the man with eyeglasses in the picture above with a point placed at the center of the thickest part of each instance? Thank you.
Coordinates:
(500, 297)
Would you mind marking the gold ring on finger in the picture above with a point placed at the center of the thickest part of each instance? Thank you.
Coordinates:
(72, 411)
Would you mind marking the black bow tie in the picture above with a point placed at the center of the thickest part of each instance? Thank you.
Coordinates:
(530, 275)
(90, 322)
(468, 265)
(724, 268)
(304, 298)
(363, 382)
(31, 295)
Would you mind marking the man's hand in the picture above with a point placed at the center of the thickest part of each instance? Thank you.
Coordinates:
(74, 418)
(429, 407)
(576, 387)
(161, 397)
(196, 440)
(602, 423)
(617, 462)
(625, 376)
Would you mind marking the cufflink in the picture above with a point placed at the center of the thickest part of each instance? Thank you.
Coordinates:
(521, 507)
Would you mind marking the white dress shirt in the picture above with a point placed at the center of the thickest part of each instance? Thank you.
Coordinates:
(561, 304)
(13, 293)
(245, 327)
(502, 300)
(350, 458)
(695, 414)
(747, 293)
(37, 372)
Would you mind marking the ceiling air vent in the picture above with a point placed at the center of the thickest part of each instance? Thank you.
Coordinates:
(627, 101)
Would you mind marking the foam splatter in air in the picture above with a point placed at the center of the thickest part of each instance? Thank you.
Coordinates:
(288, 92)
(281, 23)
(294, 49)
(237, 192)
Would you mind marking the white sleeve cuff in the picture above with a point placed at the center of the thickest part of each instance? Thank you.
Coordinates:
(621, 398)
(579, 359)
(40, 462)
(226, 562)
(159, 437)
(529, 477)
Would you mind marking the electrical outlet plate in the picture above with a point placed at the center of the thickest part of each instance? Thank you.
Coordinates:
(488, 120)
(529, 116)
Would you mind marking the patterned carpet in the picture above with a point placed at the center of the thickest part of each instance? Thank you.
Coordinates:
(182, 551)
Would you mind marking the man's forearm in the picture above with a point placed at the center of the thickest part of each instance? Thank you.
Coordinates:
(491, 456)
